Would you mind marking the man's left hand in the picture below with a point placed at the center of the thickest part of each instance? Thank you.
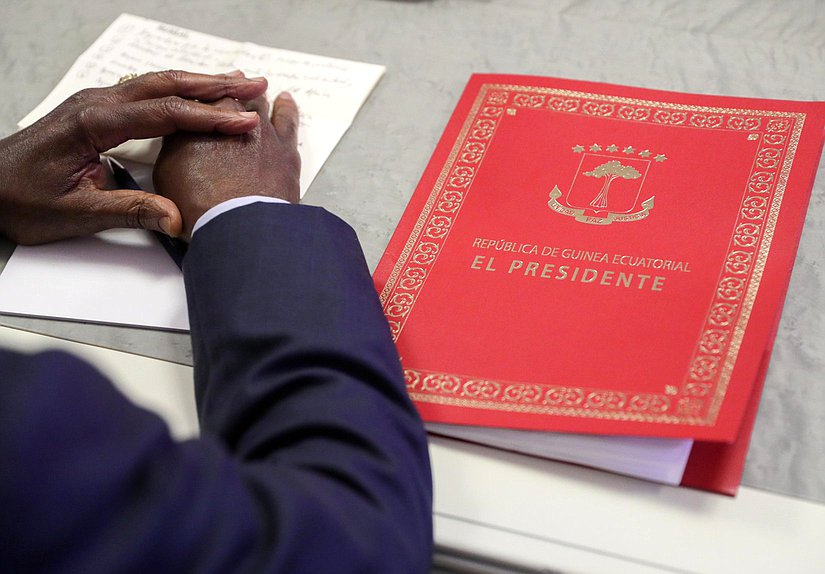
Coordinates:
(52, 183)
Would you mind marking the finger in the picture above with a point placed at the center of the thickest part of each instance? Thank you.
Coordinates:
(285, 118)
(107, 126)
(230, 104)
(136, 209)
(203, 87)
(259, 105)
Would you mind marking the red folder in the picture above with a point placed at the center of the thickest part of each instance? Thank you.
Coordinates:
(592, 258)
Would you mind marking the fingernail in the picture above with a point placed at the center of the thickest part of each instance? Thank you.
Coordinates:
(165, 225)
(286, 96)
(257, 79)
(235, 74)
(248, 115)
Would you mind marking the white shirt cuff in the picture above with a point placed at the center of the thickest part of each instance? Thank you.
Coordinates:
(231, 204)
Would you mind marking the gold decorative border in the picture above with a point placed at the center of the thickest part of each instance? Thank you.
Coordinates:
(533, 398)
(699, 399)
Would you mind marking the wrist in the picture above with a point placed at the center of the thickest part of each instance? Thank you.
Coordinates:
(231, 204)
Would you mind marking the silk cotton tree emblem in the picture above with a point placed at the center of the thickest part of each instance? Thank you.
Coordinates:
(608, 185)
(610, 170)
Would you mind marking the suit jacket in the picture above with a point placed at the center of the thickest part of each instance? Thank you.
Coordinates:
(312, 457)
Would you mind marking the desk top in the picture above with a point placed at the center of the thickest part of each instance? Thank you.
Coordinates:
(761, 48)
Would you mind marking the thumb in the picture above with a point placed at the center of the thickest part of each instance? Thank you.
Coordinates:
(138, 210)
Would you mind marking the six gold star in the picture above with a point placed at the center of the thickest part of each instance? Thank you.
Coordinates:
(613, 148)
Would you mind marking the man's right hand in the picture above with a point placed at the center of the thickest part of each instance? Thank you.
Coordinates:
(198, 172)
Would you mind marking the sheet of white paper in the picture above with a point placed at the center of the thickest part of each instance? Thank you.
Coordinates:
(125, 276)
(656, 459)
(120, 276)
(159, 386)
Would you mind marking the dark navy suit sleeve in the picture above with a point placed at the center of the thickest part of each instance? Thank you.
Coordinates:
(312, 457)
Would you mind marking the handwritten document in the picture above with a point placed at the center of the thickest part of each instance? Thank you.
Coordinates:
(125, 276)
(329, 91)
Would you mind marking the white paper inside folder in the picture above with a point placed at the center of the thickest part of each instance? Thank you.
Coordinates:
(655, 459)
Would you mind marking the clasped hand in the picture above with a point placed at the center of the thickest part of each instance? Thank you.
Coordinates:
(54, 186)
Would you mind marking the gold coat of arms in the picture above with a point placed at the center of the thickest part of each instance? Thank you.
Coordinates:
(607, 186)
